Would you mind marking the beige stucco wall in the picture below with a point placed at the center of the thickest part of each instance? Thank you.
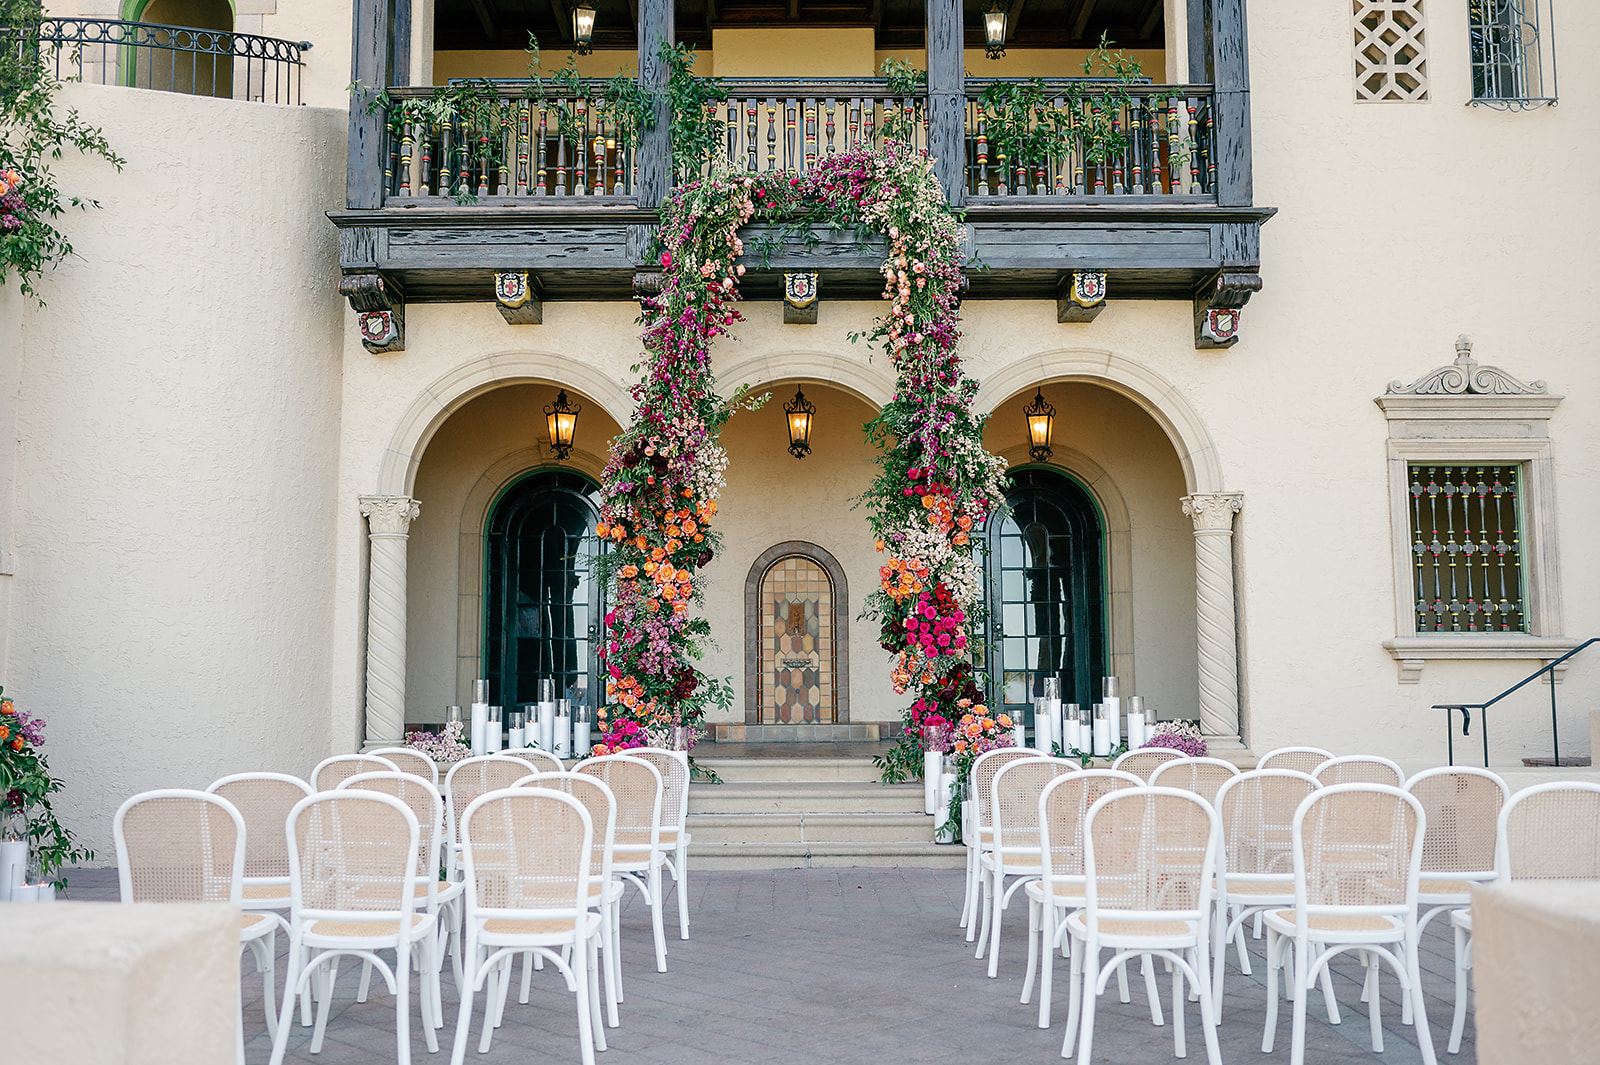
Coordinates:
(177, 438)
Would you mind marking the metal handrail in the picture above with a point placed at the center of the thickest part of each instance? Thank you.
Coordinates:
(110, 49)
(1482, 708)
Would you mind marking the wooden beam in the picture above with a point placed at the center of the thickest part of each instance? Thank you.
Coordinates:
(563, 21)
(711, 13)
(485, 18)
(1085, 13)
(875, 13)
(794, 10)
(1013, 17)
(947, 96)
(369, 68)
(1151, 19)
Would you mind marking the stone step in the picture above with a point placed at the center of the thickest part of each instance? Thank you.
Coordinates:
(807, 796)
(747, 770)
(818, 855)
(811, 828)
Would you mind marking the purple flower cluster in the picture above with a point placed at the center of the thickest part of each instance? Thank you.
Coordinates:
(1189, 746)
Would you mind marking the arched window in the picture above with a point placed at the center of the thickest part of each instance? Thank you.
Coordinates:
(544, 608)
(1046, 593)
(196, 59)
(796, 617)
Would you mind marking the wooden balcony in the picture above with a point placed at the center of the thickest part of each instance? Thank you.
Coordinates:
(537, 183)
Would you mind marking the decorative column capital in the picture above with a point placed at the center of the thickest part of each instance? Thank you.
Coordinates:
(1213, 512)
(389, 515)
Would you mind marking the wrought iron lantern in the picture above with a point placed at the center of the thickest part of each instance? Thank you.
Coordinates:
(799, 411)
(562, 419)
(583, 26)
(1041, 417)
(994, 29)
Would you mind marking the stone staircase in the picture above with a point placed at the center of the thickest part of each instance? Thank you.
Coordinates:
(792, 812)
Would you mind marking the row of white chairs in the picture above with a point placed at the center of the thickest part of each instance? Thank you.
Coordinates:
(1032, 827)
(238, 842)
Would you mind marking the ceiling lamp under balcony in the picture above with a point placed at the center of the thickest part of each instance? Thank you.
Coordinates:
(583, 27)
(994, 29)
(1041, 417)
(562, 420)
(798, 411)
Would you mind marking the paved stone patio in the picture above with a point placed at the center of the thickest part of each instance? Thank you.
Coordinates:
(837, 966)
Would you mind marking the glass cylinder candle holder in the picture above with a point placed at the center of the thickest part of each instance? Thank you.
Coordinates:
(582, 729)
(517, 730)
(454, 715)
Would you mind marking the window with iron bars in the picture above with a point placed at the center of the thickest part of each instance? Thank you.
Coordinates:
(1513, 53)
(1467, 547)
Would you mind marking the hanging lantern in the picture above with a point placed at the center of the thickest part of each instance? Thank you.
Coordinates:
(1041, 416)
(562, 419)
(799, 411)
(583, 26)
(994, 29)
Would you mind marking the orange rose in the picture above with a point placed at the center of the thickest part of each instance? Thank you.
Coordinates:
(603, 529)
(7, 707)
(630, 571)
(4, 732)
(16, 743)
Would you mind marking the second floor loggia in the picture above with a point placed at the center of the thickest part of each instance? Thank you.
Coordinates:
(1130, 180)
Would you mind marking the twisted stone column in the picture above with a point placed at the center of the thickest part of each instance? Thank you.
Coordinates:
(388, 520)
(1214, 615)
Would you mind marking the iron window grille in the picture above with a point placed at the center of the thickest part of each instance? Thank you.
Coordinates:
(1466, 543)
(1513, 53)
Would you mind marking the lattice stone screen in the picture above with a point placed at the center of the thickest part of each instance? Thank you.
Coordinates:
(1390, 54)
(1466, 540)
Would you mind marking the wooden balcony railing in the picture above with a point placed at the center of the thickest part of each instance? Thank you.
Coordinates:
(1097, 139)
(505, 145)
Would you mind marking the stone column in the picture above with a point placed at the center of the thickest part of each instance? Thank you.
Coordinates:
(388, 519)
(1214, 615)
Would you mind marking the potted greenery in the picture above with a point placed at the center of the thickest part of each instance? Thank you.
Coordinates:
(26, 815)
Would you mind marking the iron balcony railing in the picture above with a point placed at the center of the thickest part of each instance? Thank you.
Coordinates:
(510, 143)
(146, 55)
(1466, 709)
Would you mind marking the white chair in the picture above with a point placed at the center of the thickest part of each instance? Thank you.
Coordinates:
(329, 771)
(1300, 759)
(636, 855)
(1150, 860)
(605, 892)
(468, 779)
(1359, 769)
(1357, 859)
(177, 845)
(1544, 832)
(675, 839)
(538, 761)
(1255, 871)
(1014, 817)
(1062, 807)
(352, 878)
(976, 833)
(528, 856)
(441, 895)
(1142, 761)
(1202, 776)
(410, 760)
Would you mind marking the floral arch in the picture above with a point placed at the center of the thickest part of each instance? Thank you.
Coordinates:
(935, 481)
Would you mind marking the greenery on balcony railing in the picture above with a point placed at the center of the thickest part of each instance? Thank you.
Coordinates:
(32, 136)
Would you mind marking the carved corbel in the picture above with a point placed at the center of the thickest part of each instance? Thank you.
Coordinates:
(799, 299)
(518, 298)
(1081, 296)
(381, 310)
(1217, 308)
(647, 285)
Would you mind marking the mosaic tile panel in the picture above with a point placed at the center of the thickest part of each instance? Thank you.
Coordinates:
(797, 642)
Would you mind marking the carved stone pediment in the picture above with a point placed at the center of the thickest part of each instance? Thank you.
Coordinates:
(1465, 377)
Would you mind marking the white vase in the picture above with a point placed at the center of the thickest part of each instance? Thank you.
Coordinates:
(13, 865)
(947, 790)
(932, 767)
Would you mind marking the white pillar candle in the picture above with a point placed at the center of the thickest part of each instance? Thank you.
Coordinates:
(947, 788)
(13, 859)
(1041, 725)
(1136, 735)
(496, 734)
(46, 893)
(1019, 732)
(580, 739)
(1102, 731)
(563, 727)
(547, 725)
(1071, 739)
(1058, 728)
(517, 741)
(1110, 692)
(932, 768)
(480, 729)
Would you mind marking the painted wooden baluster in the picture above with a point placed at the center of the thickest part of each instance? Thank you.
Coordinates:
(830, 127)
(580, 160)
(772, 135)
(391, 160)
(542, 175)
(508, 147)
(425, 176)
(983, 156)
(407, 135)
(524, 137)
(1154, 111)
(447, 152)
(602, 157)
(811, 133)
(1117, 161)
(480, 163)
(791, 147)
(853, 125)
(561, 159)
(1058, 159)
(868, 116)
(750, 110)
(1194, 147)
(1211, 149)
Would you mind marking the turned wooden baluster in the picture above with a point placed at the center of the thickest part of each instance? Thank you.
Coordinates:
(580, 158)
(1210, 145)
(447, 152)
(524, 135)
(406, 134)
(425, 178)
(868, 117)
(853, 124)
(772, 135)
(811, 134)
(983, 156)
(1194, 147)
(750, 110)
(541, 175)
(830, 127)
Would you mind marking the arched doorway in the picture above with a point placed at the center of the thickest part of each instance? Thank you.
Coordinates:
(544, 614)
(796, 617)
(1046, 592)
